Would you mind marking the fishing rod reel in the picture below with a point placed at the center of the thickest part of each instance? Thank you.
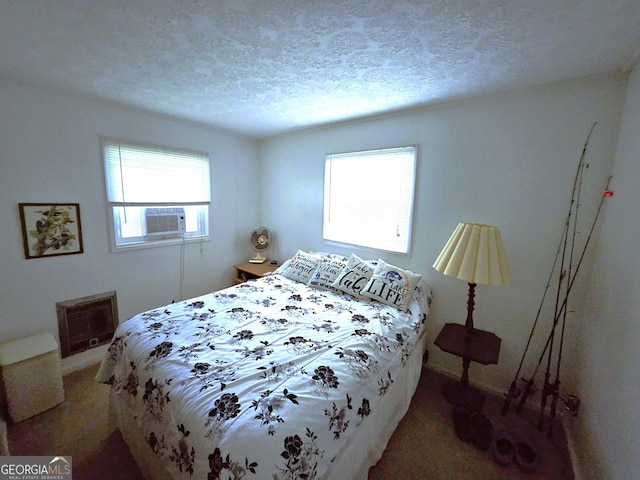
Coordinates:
(514, 393)
(517, 393)
(571, 403)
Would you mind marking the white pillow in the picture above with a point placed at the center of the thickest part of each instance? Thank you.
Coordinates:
(283, 267)
(326, 272)
(301, 267)
(391, 285)
(333, 256)
(354, 276)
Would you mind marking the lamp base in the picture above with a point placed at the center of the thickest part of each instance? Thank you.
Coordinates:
(462, 395)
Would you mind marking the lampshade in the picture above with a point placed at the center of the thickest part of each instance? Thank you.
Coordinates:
(475, 253)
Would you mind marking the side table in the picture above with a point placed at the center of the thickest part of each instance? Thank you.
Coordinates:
(247, 270)
(472, 345)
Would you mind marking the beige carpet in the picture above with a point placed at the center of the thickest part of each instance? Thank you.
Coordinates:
(424, 445)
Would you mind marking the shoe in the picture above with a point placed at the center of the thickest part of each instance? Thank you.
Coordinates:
(462, 423)
(503, 448)
(460, 414)
(481, 431)
(526, 457)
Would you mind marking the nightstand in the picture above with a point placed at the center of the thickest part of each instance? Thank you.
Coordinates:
(247, 270)
(473, 346)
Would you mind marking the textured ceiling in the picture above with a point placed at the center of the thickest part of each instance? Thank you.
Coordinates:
(263, 67)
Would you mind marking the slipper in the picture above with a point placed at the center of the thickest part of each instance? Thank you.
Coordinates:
(503, 448)
(481, 431)
(462, 423)
(526, 457)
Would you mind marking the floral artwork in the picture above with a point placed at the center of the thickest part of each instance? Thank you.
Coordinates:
(50, 229)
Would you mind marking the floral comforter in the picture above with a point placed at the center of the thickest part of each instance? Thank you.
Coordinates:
(266, 379)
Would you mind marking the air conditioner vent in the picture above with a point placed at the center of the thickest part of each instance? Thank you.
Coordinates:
(164, 221)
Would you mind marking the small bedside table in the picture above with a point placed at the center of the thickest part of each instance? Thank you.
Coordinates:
(478, 346)
(247, 270)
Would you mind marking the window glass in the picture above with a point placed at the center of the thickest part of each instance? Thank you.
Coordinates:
(368, 198)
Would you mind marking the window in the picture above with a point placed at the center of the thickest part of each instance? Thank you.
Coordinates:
(156, 195)
(368, 198)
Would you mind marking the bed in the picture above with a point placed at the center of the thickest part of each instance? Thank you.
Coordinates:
(302, 373)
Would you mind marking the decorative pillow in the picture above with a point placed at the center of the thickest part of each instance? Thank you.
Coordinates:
(333, 256)
(282, 268)
(391, 285)
(301, 267)
(354, 276)
(326, 272)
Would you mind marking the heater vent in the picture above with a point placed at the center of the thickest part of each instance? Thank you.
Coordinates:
(86, 322)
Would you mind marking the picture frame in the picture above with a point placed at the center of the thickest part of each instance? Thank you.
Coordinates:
(50, 229)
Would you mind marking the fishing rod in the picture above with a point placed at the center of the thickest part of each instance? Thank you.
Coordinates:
(555, 391)
(607, 193)
(513, 389)
(548, 387)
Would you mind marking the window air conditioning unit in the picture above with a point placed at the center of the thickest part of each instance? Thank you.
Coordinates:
(164, 221)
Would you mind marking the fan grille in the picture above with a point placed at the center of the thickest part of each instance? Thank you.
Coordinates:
(260, 239)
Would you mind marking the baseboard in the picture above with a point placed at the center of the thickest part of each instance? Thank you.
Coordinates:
(83, 360)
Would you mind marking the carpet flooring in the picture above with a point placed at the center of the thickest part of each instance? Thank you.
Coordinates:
(424, 446)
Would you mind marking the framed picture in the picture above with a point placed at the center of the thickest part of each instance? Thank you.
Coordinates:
(50, 229)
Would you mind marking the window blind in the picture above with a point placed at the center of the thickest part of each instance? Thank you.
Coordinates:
(368, 198)
(140, 175)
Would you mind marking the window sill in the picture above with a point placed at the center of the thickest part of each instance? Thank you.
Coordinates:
(158, 243)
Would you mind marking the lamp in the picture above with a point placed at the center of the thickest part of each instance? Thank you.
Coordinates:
(474, 253)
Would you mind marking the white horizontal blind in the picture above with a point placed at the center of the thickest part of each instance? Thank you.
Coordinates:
(146, 175)
(368, 198)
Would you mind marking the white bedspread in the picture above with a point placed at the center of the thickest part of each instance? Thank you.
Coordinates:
(266, 379)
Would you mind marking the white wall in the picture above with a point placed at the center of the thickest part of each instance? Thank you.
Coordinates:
(609, 354)
(50, 152)
(507, 159)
